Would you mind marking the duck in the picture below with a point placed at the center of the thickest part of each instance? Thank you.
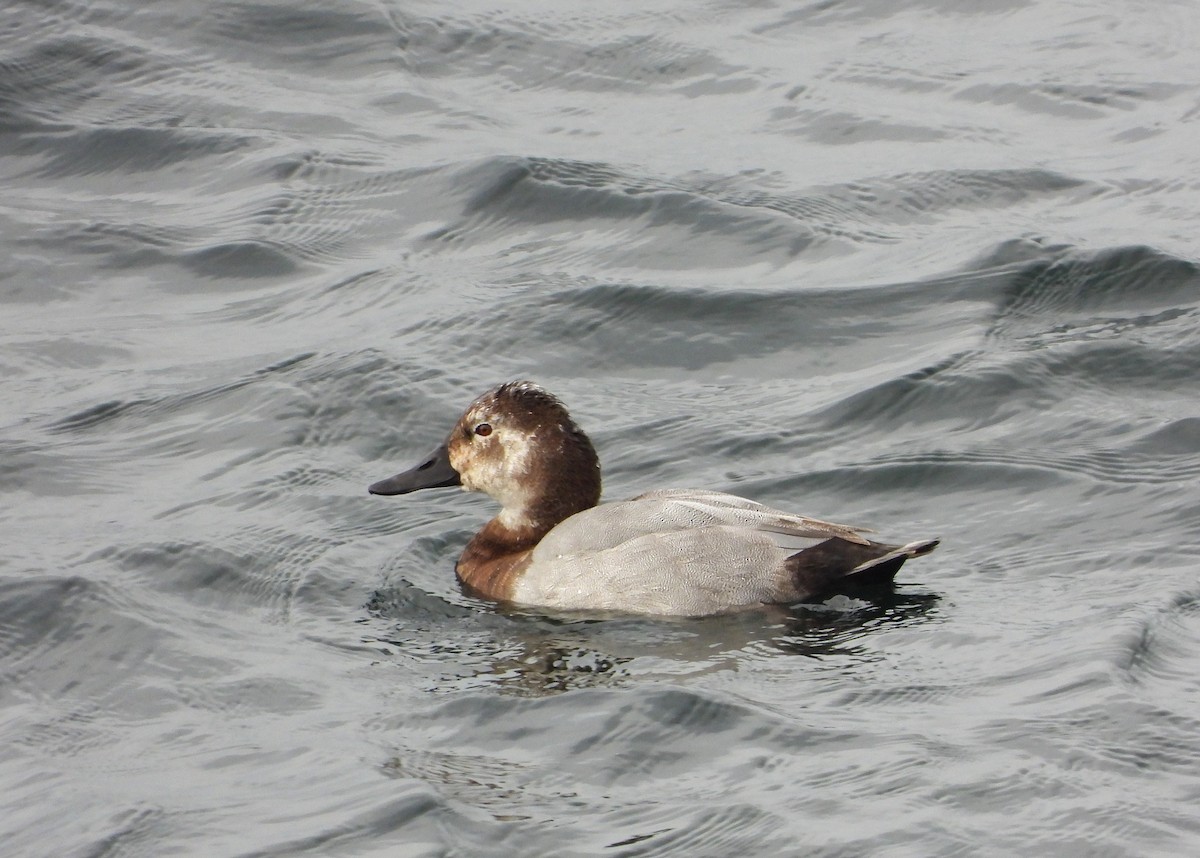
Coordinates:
(666, 552)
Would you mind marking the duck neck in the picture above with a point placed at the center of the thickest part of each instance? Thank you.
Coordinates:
(492, 560)
(554, 493)
(498, 553)
(555, 496)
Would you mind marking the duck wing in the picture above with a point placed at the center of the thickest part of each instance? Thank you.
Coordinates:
(691, 552)
(673, 510)
(738, 511)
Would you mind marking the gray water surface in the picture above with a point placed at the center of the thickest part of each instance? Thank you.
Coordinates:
(927, 267)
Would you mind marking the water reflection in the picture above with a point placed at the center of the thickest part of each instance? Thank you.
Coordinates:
(530, 653)
(836, 627)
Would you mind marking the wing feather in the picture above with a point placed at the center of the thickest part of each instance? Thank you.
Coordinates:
(668, 511)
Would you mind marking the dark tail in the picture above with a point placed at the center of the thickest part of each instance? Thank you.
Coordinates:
(837, 565)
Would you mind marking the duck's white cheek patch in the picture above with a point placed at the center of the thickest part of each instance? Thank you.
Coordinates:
(459, 463)
(487, 475)
(519, 451)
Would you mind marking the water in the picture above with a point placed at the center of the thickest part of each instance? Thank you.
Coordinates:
(929, 267)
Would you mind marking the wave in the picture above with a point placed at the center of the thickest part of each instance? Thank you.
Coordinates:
(534, 191)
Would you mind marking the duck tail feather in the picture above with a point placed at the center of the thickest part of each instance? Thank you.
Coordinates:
(837, 565)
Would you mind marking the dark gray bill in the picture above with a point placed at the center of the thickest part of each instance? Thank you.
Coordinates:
(433, 472)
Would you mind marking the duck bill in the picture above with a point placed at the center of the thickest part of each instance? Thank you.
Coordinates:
(435, 471)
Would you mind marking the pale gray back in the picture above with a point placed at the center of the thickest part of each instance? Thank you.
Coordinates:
(674, 551)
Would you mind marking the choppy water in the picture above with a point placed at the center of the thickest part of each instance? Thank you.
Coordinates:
(925, 266)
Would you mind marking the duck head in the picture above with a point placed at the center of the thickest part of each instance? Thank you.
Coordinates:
(517, 444)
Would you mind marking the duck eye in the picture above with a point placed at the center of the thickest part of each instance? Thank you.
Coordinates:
(483, 429)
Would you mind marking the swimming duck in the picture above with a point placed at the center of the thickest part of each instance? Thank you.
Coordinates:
(679, 552)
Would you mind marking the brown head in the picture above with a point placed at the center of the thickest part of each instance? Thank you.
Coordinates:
(518, 444)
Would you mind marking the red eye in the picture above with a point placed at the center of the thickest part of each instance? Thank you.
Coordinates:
(483, 429)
